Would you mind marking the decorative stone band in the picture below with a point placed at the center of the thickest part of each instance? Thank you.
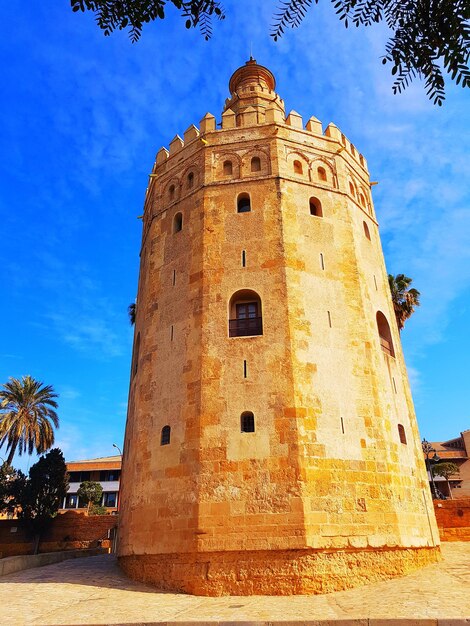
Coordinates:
(272, 572)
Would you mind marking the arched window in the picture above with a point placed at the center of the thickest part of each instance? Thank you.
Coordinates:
(385, 335)
(352, 190)
(256, 164)
(298, 167)
(243, 203)
(190, 180)
(245, 315)
(165, 436)
(343, 139)
(315, 207)
(228, 169)
(401, 433)
(321, 173)
(135, 365)
(247, 422)
(171, 192)
(178, 223)
(362, 200)
(366, 230)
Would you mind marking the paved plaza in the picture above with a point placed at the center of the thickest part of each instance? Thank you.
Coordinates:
(94, 591)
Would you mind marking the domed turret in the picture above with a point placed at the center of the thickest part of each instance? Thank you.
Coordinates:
(253, 85)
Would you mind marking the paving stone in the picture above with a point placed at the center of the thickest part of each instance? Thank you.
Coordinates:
(93, 591)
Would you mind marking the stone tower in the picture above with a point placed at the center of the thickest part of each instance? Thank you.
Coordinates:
(271, 444)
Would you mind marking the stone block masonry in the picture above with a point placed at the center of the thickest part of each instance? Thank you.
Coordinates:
(271, 440)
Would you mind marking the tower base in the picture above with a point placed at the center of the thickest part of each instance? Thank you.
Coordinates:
(274, 572)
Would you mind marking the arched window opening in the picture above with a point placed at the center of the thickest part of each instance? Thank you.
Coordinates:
(256, 164)
(228, 169)
(361, 160)
(165, 436)
(402, 434)
(245, 315)
(135, 365)
(247, 422)
(352, 190)
(190, 180)
(343, 139)
(366, 230)
(315, 207)
(298, 169)
(243, 203)
(171, 192)
(321, 173)
(362, 200)
(178, 223)
(385, 334)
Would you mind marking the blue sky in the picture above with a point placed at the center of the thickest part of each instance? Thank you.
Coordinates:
(81, 119)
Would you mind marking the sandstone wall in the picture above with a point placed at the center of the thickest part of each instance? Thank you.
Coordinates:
(453, 519)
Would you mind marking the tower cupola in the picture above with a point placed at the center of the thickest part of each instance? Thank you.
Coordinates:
(253, 85)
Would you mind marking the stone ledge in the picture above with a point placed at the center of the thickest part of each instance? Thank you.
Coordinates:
(12, 564)
(425, 621)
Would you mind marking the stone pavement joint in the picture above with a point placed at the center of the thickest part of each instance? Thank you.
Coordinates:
(94, 592)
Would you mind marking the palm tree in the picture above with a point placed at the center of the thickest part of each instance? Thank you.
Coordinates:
(27, 416)
(404, 299)
(131, 311)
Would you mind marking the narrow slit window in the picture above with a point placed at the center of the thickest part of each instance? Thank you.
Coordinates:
(171, 192)
(165, 436)
(366, 230)
(178, 223)
(136, 355)
(352, 191)
(394, 384)
(190, 180)
(256, 164)
(171, 333)
(329, 319)
(243, 258)
(375, 281)
(245, 369)
(362, 200)
(342, 426)
(315, 207)
(322, 261)
(228, 168)
(247, 422)
(174, 278)
(243, 203)
(401, 433)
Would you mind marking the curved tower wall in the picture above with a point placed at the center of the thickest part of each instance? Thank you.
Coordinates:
(323, 494)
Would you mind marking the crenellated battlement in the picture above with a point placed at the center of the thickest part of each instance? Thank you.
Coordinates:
(249, 118)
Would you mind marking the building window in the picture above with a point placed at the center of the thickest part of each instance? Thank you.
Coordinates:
(243, 203)
(243, 258)
(352, 191)
(298, 167)
(247, 422)
(190, 180)
(109, 499)
(255, 164)
(136, 355)
(366, 230)
(362, 200)
(315, 207)
(171, 192)
(109, 475)
(165, 436)
(178, 223)
(402, 434)
(245, 314)
(385, 334)
(321, 173)
(71, 501)
(228, 169)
